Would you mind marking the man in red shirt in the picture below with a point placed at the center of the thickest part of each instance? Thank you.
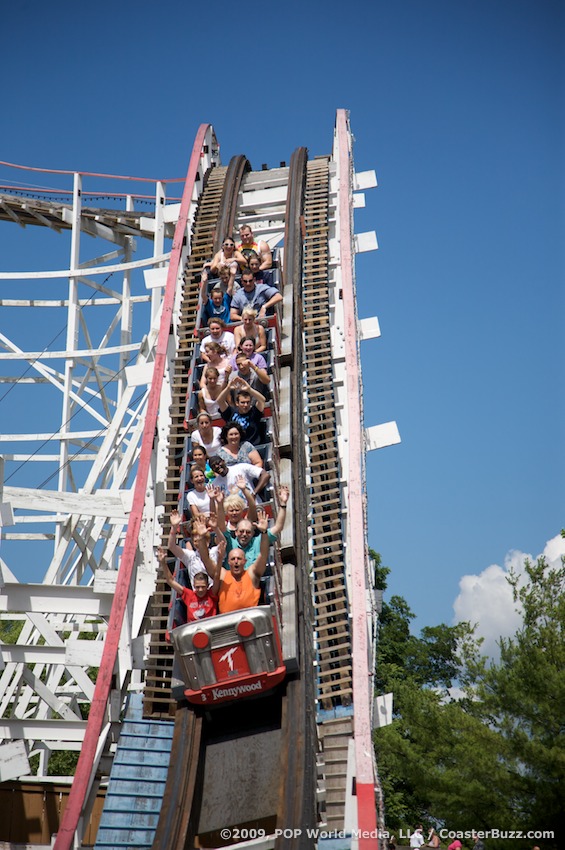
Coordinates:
(202, 601)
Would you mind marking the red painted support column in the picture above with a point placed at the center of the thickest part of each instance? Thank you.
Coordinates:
(98, 708)
(364, 771)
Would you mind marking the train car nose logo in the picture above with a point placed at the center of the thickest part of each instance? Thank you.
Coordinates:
(228, 656)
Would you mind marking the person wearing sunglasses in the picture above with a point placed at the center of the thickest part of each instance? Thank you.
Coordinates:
(228, 257)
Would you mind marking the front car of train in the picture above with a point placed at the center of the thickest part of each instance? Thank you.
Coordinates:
(230, 656)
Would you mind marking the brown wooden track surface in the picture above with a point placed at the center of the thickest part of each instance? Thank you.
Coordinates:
(219, 186)
(291, 743)
(328, 569)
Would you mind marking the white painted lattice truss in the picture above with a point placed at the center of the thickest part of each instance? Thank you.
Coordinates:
(68, 480)
(71, 442)
(74, 393)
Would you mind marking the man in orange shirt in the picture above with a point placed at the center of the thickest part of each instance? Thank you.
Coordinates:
(239, 588)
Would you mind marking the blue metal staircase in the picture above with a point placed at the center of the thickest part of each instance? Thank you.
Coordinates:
(137, 782)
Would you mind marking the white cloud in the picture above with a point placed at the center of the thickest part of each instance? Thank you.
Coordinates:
(554, 549)
(486, 598)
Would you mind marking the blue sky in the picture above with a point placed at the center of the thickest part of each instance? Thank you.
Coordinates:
(458, 106)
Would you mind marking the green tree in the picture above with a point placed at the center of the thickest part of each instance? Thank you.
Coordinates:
(495, 756)
(10, 630)
(522, 697)
(419, 671)
(432, 660)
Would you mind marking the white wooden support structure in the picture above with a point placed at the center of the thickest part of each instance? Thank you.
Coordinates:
(347, 194)
(70, 451)
(381, 436)
(86, 458)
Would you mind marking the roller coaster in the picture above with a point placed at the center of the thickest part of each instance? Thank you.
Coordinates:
(99, 746)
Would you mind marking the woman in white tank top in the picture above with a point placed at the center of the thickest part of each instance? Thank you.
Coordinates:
(229, 257)
(209, 394)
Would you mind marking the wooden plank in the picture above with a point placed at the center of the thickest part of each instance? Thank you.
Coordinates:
(339, 674)
(341, 649)
(13, 761)
(340, 603)
(338, 692)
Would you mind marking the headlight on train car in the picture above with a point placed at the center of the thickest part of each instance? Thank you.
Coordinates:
(200, 639)
(245, 628)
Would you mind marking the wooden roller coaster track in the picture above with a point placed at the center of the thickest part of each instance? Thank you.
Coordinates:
(158, 701)
(305, 727)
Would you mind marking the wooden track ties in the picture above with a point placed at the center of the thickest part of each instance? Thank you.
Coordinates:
(329, 588)
(158, 702)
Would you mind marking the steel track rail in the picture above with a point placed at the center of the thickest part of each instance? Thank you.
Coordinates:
(238, 167)
(297, 807)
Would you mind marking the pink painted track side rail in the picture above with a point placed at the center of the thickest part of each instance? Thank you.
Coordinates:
(98, 709)
(93, 173)
(365, 779)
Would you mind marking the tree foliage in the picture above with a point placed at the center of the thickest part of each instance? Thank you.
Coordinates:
(493, 756)
(10, 630)
(522, 697)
